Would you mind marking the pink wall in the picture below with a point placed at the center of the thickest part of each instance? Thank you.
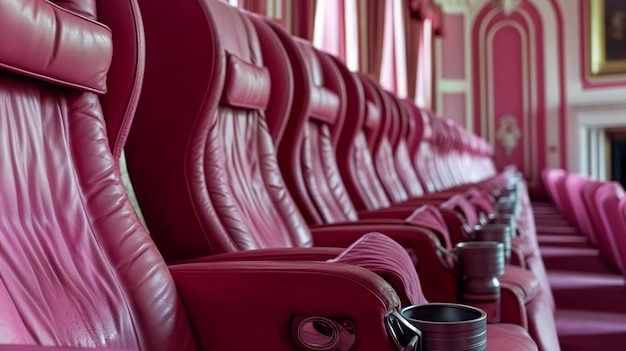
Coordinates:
(526, 73)
(453, 44)
(454, 107)
(514, 81)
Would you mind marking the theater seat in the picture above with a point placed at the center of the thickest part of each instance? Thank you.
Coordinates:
(79, 271)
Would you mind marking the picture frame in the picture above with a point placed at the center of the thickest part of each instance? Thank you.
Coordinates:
(607, 37)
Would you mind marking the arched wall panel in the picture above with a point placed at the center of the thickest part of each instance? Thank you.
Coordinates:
(508, 90)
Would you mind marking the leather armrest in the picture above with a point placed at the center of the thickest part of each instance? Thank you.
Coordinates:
(241, 305)
(439, 280)
(395, 212)
(278, 254)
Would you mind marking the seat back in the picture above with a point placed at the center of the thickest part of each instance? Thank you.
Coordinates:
(222, 171)
(574, 184)
(381, 143)
(353, 154)
(612, 246)
(424, 158)
(307, 151)
(588, 194)
(402, 158)
(78, 268)
(550, 178)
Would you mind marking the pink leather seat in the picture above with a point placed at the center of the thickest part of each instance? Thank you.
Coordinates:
(574, 185)
(79, 269)
(381, 144)
(613, 246)
(404, 147)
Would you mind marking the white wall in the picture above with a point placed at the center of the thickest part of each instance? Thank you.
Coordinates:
(589, 110)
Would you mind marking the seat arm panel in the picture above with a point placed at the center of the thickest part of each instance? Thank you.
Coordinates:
(274, 254)
(247, 304)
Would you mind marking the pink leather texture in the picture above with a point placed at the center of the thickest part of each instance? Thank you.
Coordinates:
(611, 246)
(385, 257)
(314, 289)
(53, 44)
(227, 181)
(78, 267)
(246, 85)
(324, 105)
(125, 73)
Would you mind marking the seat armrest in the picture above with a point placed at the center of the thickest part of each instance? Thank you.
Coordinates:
(395, 212)
(247, 304)
(439, 280)
(278, 254)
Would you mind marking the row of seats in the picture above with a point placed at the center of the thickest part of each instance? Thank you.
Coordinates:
(265, 170)
(290, 153)
(592, 208)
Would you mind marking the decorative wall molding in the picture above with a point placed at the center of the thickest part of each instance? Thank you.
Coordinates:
(464, 6)
(508, 133)
(508, 6)
(452, 85)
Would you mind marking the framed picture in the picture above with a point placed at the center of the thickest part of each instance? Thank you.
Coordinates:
(607, 24)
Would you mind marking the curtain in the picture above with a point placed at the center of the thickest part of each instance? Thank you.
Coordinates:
(303, 18)
(371, 31)
(256, 6)
(412, 35)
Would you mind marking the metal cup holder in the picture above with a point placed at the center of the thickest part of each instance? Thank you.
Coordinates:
(480, 263)
(505, 219)
(439, 327)
(495, 232)
(509, 205)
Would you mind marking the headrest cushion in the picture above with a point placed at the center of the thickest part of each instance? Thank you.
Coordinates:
(47, 42)
(324, 105)
(246, 85)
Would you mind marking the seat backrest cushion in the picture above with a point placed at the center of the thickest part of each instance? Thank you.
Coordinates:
(423, 157)
(588, 194)
(550, 178)
(612, 246)
(215, 185)
(353, 155)
(402, 154)
(381, 148)
(574, 184)
(316, 159)
(78, 267)
(306, 153)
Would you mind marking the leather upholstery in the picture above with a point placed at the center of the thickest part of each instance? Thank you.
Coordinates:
(79, 269)
(607, 200)
(380, 143)
(214, 140)
(246, 85)
(81, 272)
(51, 43)
(402, 150)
